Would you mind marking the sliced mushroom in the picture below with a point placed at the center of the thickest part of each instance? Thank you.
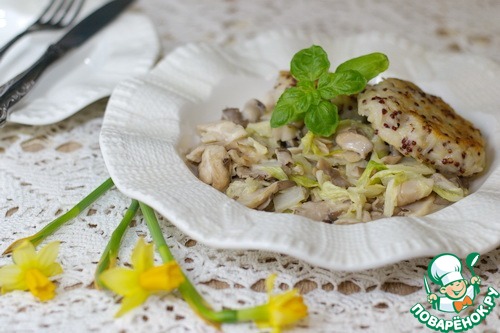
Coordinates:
(214, 168)
(421, 207)
(264, 195)
(350, 156)
(249, 150)
(393, 157)
(295, 150)
(375, 215)
(413, 190)
(234, 115)
(284, 156)
(285, 133)
(322, 210)
(352, 141)
(354, 171)
(244, 172)
(195, 154)
(253, 110)
(223, 132)
(378, 204)
(364, 216)
(333, 173)
(238, 159)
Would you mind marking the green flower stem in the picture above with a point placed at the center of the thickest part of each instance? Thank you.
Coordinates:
(258, 313)
(108, 257)
(156, 233)
(72, 213)
(187, 290)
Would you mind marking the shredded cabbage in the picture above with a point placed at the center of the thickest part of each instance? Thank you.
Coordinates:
(447, 189)
(272, 170)
(240, 188)
(367, 174)
(329, 191)
(304, 181)
(311, 145)
(262, 128)
(289, 198)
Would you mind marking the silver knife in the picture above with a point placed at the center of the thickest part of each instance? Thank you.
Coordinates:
(16, 88)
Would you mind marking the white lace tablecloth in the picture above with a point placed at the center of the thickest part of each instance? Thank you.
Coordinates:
(45, 170)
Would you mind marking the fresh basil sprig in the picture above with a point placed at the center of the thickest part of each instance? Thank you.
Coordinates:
(310, 99)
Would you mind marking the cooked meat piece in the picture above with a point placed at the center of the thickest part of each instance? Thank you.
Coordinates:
(423, 126)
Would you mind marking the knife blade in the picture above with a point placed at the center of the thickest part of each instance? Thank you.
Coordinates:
(16, 88)
(427, 288)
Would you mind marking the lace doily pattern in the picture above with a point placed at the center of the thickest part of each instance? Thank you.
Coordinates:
(45, 170)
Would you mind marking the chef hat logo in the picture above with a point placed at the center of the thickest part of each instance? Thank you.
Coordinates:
(444, 269)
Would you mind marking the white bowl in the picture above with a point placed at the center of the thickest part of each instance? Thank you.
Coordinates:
(150, 122)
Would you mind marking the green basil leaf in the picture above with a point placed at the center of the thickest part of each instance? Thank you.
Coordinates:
(281, 115)
(298, 98)
(344, 83)
(309, 64)
(315, 97)
(306, 84)
(369, 65)
(290, 106)
(322, 119)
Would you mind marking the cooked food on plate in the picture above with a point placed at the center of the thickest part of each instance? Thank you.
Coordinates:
(334, 148)
(423, 126)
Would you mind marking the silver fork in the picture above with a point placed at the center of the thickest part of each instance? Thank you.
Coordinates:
(57, 15)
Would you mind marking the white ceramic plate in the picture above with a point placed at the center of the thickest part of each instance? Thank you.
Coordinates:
(127, 47)
(150, 124)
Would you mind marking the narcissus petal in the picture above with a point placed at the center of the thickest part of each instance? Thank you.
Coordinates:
(142, 256)
(122, 281)
(39, 285)
(161, 278)
(24, 255)
(132, 301)
(47, 255)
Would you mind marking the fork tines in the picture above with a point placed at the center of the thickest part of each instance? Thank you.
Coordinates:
(61, 13)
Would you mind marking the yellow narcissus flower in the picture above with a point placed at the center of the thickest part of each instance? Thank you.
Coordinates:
(282, 309)
(136, 284)
(31, 270)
